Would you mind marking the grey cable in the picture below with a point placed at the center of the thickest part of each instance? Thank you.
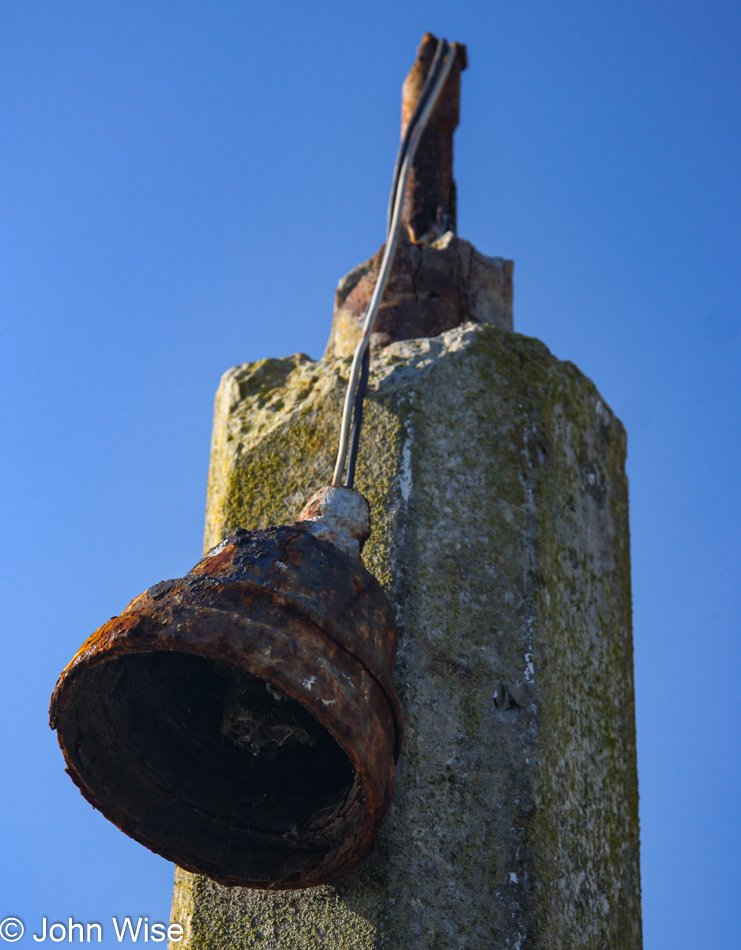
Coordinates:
(440, 50)
(387, 260)
(357, 415)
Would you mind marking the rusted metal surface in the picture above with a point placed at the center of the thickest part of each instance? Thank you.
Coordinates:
(430, 199)
(241, 721)
(432, 288)
(438, 281)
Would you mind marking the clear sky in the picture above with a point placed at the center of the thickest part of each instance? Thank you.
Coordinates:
(181, 187)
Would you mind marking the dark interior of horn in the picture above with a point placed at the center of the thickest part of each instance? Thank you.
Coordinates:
(211, 767)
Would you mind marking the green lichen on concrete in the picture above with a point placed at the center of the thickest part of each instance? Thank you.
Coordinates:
(275, 425)
(313, 919)
(275, 437)
(587, 769)
(496, 478)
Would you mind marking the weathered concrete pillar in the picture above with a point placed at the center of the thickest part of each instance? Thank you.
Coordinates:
(496, 478)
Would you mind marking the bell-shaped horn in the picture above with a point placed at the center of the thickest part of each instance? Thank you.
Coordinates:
(241, 721)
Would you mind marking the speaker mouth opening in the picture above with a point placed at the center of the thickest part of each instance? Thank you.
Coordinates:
(210, 766)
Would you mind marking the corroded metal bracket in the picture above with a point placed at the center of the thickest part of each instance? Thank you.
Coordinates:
(430, 198)
(438, 281)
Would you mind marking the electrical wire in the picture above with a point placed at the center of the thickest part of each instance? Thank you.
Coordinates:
(439, 71)
(357, 420)
(357, 416)
(432, 75)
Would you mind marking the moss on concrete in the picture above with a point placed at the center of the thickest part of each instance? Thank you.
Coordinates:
(496, 477)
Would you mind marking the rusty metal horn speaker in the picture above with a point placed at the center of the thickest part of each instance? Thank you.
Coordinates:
(241, 721)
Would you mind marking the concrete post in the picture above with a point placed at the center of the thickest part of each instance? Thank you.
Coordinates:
(496, 478)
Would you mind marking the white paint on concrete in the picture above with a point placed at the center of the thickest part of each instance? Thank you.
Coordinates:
(405, 470)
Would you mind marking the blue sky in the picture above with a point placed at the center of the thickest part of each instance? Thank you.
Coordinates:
(181, 187)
